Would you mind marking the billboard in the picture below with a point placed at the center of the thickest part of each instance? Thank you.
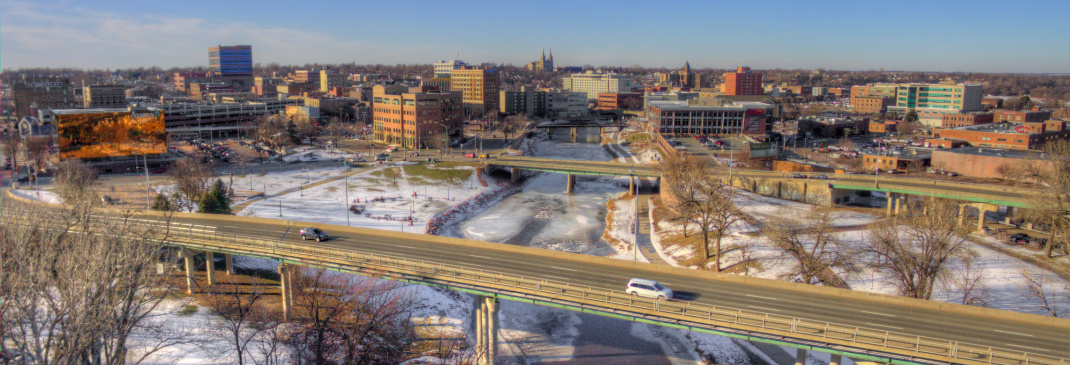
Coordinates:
(754, 122)
(111, 134)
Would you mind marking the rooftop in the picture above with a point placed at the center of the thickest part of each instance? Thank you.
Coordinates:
(1001, 127)
(990, 152)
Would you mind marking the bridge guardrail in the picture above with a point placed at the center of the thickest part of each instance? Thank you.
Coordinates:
(684, 313)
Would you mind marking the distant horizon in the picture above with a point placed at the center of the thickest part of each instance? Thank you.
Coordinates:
(835, 35)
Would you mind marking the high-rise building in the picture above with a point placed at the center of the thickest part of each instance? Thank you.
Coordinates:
(932, 101)
(331, 79)
(231, 60)
(479, 88)
(592, 84)
(416, 117)
(444, 68)
(307, 76)
(32, 94)
(104, 96)
(873, 98)
(742, 82)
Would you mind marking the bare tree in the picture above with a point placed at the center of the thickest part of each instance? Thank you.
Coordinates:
(513, 124)
(73, 182)
(847, 144)
(1050, 170)
(75, 287)
(241, 319)
(37, 151)
(1042, 289)
(914, 249)
(810, 247)
(10, 146)
(701, 195)
(970, 280)
(272, 132)
(193, 179)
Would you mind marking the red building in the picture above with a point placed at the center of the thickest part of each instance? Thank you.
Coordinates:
(1008, 135)
(742, 82)
(964, 119)
(625, 101)
(1036, 116)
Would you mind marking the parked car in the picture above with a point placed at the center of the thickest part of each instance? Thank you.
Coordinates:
(820, 177)
(648, 288)
(797, 176)
(470, 155)
(309, 233)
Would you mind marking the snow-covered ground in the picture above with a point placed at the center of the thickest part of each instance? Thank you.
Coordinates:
(46, 196)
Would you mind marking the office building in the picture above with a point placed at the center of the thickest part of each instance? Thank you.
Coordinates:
(591, 83)
(331, 79)
(417, 117)
(479, 87)
(873, 98)
(912, 161)
(623, 101)
(932, 101)
(742, 82)
(832, 126)
(104, 96)
(709, 116)
(231, 60)
(980, 162)
(194, 120)
(566, 105)
(527, 101)
(1013, 116)
(444, 68)
(39, 93)
(266, 86)
(308, 76)
(440, 84)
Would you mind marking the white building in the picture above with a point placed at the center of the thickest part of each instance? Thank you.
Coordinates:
(443, 68)
(591, 83)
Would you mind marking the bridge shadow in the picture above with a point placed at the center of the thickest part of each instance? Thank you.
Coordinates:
(685, 296)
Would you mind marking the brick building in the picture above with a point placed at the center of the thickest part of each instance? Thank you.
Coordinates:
(964, 119)
(899, 162)
(992, 103)
(417, 117)
(832, 127)
(979, 162)
(479, 88)
(104, 96)
(1035, 116)
(32, 94)
(872, 98)
(1008, 135)
(742, 82)
(626, 101)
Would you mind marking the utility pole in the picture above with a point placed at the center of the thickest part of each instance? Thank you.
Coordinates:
(345, 206)
(147, 197)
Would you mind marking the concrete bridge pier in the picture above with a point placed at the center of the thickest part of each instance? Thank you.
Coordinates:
(570, 183)
(486, 329)
(514, 174)
(631, 185)
(230, 263)
(574, 133)
(800, 356)
(834, 359)
(891, 204)
(286, 285)
(191, 285)
(899, 201)
(209, 263)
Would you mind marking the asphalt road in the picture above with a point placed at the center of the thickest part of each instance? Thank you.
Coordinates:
(1008, 335)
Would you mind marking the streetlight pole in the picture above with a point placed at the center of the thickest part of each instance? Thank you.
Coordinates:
(345, 206)
(635, 228)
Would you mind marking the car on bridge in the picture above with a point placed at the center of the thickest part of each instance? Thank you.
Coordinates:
(797, 176)
(648, 288)
(309, 233)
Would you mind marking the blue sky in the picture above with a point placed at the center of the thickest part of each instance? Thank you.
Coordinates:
(978, 36)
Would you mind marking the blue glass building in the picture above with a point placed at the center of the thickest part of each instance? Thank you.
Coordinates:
(231, 60)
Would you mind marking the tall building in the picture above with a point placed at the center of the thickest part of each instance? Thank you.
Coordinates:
(933, 101)
(444, 68)
(331, 79)
(307, 76)
(528, 101)
(479, 88)
(32, 94)
(544, 65)
(592, 84)
(416, 117)
(104, 96)
(681, 78)
(742, 82)
(231, 60)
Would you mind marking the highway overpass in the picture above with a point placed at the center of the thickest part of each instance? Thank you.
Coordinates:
(851, 323)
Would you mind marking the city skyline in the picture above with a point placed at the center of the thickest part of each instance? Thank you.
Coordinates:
(97, 34)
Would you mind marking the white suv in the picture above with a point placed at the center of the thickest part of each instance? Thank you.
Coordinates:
(648, 288)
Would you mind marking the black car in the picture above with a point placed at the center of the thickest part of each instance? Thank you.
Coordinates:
(309, 233)
(1019, 238)
(797, 176)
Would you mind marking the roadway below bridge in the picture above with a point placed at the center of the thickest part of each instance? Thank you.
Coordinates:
(1010, 335)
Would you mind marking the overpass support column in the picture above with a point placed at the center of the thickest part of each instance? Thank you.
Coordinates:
(891, 203)
(230, 263)
(287, 290)
(834, 359)
(187, 255)
(570, 182)
(514, 174)
(899, 203)
(492, 329)
(981, 209)
(631, 186)
(573, 134)
(481, 330)
(800, 357)
(209, 266)
(962, 212)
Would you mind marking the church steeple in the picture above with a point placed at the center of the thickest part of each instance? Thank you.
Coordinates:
(544, 55)
(551, 55)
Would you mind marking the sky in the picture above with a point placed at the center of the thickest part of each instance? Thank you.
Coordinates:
(971, 36)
